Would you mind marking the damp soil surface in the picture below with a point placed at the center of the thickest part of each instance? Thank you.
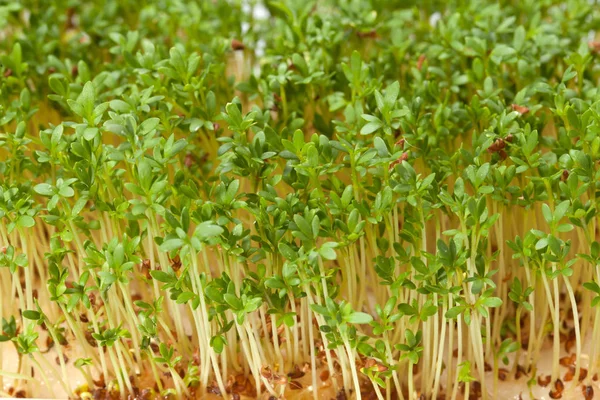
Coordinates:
(513, 382)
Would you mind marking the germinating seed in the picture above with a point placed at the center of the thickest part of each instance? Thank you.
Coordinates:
(299, 199)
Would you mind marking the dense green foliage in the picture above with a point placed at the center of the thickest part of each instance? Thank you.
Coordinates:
(402, 196)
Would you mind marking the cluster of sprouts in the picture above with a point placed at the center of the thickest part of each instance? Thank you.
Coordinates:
(358, 199)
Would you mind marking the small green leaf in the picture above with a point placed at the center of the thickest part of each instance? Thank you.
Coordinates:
(44, 189)
(185, 297)
(162, 276)
(381, 147)
(541, 244)
(327, 251)
(32, 315)
(171, 244)
(287, 251)
(492, 302)
(371, 127)
(359, 318)
(208, 229)
(25, 221)
(454, 312)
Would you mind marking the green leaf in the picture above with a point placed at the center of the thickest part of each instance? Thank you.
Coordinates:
(25, 221)
(32, 315)
(162, 276)
(217, 343)
(560, 210)
(233, 301)
(319, 309)
(569, 74)
(87, 99)
(287, 251)
(327, 251)
(482, 173)
(359, 318)
(502, 53)
(565, 228)
(148, 126)
(547, 213)
(464, 373)
(454, 312)
(120, 106)
(573, 119)
(371, 127)
(492, 302)
(541, 244)
(303, 226)
(275, 282)
(593, 286)
(519, 38)
(391, 93)
(381, 147)
(66, 191)
(171, 244)
(185, 297)
(44, 189)
(208, 229)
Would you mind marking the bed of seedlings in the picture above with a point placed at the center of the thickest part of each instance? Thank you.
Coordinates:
(359, 199)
